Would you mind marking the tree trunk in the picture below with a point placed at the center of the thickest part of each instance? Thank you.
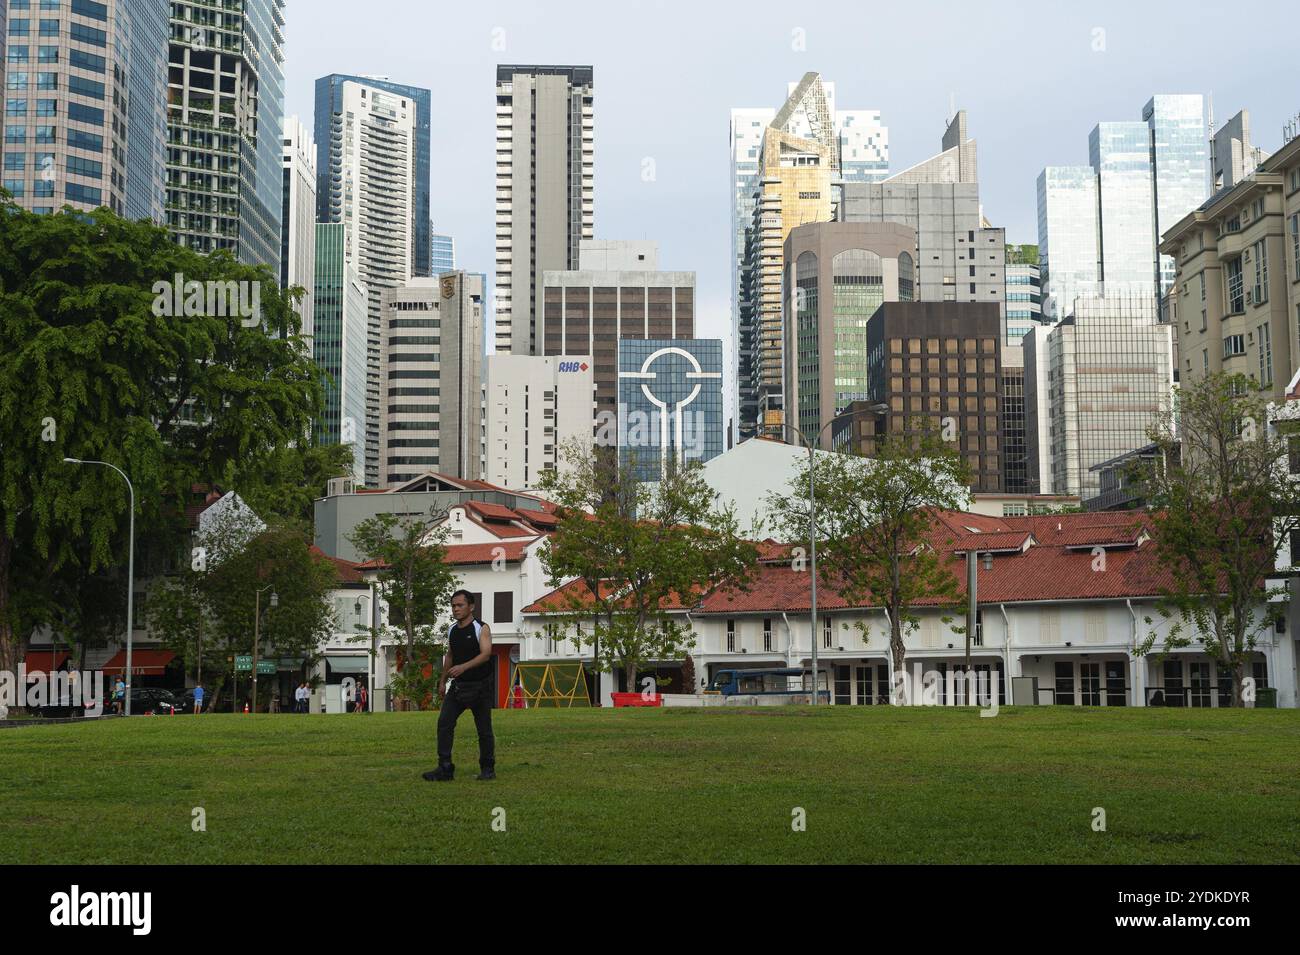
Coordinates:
(897, 650)
(631, 678)
(1238, 682)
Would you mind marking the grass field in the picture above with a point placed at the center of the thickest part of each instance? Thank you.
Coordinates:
(877, 784)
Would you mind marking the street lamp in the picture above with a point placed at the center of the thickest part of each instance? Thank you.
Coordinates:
(257, 622)
(130, 570)
(812, 514)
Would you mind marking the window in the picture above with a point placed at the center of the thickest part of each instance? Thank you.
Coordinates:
(1265, 356)
(47, 54)
(14, 187)
(49, 27)
(20, 27)
(767, 634)
(15, 134)
(15, 162)
(84, 34)
(45, 134)
(16, 107)
(1234, 345)
(16, 80)
(1261, 272)
(79, 140)
(828, 633)
(76, 192)
(47, 81)
(86, 114)
(19, 54)
(88, 8)
(731, 636)
(86, 61)
(1295, 244)
(1064, 672)
(1236, 297)
(503, 607)
(1205, 361)
(85, 167)
(84, 87)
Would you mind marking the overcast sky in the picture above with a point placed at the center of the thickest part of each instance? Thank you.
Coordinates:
(1033, 77)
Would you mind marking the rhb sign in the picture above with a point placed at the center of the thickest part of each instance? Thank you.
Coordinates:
(573, 366)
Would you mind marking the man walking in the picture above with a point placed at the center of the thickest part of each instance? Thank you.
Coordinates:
(468, 664)
(198, 699)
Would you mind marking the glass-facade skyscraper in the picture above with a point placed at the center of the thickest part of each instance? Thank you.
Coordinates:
(329, 102)
(669, 403)
(341, 334)
(84, 121)
(1067, 237)
(1120, 154)
(225, 119)
(1180, 158)
(444, 253)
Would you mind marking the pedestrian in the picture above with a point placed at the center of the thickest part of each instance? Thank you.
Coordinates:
(362, 695)
(467, 665)
(119, 695)
(198, 699)
(299, 701)
(349, 694)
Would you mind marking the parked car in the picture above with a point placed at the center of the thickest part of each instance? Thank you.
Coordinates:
(148, 699)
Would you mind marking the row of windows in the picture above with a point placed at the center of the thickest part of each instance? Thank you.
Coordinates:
(73, 191)
(17, 106)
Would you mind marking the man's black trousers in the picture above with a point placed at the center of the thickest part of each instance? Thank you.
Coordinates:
(475, 696)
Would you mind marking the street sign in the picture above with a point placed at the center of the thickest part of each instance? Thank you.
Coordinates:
(266, 668)
(243, 662)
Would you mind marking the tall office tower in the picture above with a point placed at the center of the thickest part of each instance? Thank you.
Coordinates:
(1179, 156)
(796, 186)
(432, 376)
(1024, 292)
(836, 275)
(1067, 238)
(535, 408)
(84, 116)
(545, 181)
(330, 113)
(373, 137)
(225, 110)
(960, 257)
(1120, 154)
(1110, 378)
(444, 253)
(617, 292)
(340, 344)
(1232, 155)
(931, 361)
(863, 145)
(298, 219)
(670, 404)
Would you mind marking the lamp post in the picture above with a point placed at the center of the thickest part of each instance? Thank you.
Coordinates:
(812, 515)
(257, 621)
(130, 570)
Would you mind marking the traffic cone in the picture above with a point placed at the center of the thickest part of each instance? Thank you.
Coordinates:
(245, 706)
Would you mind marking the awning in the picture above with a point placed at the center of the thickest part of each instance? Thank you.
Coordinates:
(348, 664)
(44, 661)
(142, 661)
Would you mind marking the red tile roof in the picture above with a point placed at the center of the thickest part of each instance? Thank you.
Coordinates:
(495, 512)
(349, 571)
(996, 541)
(559, 600)
(486, 553)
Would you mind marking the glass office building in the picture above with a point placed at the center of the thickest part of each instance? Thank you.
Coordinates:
(1120, 154)
(1067, 237)
(1180, 159)
(84, 121)
(329, 102)
(669, 403)
(444, 253)
(341, 306)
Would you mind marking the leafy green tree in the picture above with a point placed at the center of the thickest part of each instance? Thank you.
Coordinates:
(875, 526)
(1223, 500)
(92, 367)
(638, 549)
(416, 582)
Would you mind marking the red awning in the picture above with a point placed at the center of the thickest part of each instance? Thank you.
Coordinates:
(43, 661)
(142, 661)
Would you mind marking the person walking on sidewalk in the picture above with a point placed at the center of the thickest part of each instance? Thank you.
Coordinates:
(468, 664)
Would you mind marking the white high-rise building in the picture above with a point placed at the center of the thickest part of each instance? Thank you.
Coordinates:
(1067, 237)
(298, 221)
(545, 173)
(432, 374)
(534, 408)
(373, 162)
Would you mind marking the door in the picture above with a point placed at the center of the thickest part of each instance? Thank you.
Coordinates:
(1090, 683)
(843, 685)
(1199, 672)
(1065, 683)
(1116, 692)
(1173, 670)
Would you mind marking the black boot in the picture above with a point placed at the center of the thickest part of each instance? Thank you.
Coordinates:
(486, 771)
(443, 774)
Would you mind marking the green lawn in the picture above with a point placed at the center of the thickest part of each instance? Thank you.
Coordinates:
(878, 784)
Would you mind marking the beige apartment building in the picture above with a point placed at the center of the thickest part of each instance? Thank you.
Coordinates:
(1237, 293)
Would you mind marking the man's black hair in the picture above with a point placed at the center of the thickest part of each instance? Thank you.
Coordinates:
(469, 597)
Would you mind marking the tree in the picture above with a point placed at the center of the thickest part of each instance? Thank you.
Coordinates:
(92, 367)
(875, 526)
(416, 582)
(638, 549)
(1223, 502)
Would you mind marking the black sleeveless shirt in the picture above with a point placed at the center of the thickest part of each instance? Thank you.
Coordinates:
(464, 647)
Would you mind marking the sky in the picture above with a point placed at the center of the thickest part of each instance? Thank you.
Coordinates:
(1034, 79)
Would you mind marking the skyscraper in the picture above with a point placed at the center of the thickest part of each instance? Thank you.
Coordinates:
(329, 113)
(225, 110)
(84, 120)
(544, 183)
(432, 375)
(535, 408)
(1120, 154)
(863, 149)
(1179, 162)
(298, 220)
(340, 344)
(1067, 237)
(373, 137)
(444, 254)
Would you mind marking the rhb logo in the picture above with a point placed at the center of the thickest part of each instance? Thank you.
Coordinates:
(573, 366)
